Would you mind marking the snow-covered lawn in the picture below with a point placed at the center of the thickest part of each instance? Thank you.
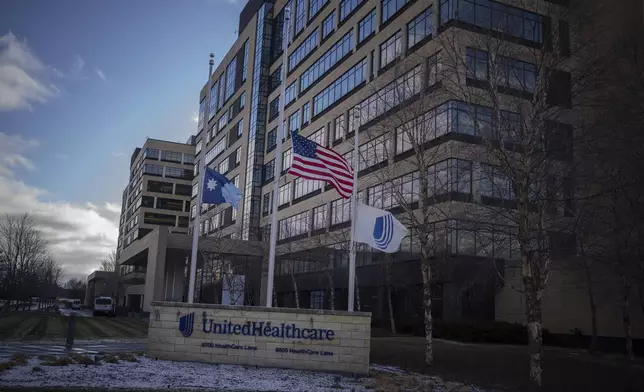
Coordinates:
(150, 374)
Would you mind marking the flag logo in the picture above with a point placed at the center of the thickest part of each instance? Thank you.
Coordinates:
(186, 324)
(383, 231)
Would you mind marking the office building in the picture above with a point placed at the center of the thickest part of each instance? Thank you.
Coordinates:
(158, 194)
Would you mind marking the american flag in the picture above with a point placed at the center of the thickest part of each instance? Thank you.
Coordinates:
(312, 161)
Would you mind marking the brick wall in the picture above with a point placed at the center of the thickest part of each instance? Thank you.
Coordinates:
(346, 351)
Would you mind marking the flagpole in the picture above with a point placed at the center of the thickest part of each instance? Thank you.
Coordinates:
(202, 168)
(354, 212)
(278, 161)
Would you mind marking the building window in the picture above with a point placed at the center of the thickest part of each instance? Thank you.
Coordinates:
(193, 211)
(294, 225)
(182, 190)
(373, 152)
(367, 26)
(303, 187)
(419, 28)
(320, 217)
(216, 150)
(245, 66)
(303, 50)
(240, 128)
(223, 120)
(347, 7)
(188, 159)
(517, 74)
(238, 156)
(155, 170)
(390, 49)
(274, 109)
(319, 136)
(195, 189)
(328, 25)
(169, 204)
(451, 175)
(146, 201)
(339, 130)
(269, 170)
(317, 299)
(340, 211)
(306, 113)
(390, 7)
(276, 79)
(286, 159)
(151, 153)
(171, 156)
(160, 187)
(300, 15)
(326, 61)
(290, 93)
(315, 6)
(284, 195)
(294, 122)
(477, 64)
(339, 87)
(494, 183)
(223, 166)
(389, 194)
(230, 78)
(271, 139)
(198, 146)
(242, 101)
(159, 219)
(387, 98)
(494, 16)
(267, 206)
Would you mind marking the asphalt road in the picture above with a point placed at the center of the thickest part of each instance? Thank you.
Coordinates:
(33, 349)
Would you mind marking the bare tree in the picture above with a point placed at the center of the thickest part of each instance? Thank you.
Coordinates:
(109, 262)
(24, 258)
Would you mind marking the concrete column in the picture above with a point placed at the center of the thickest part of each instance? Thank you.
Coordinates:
(155, 269)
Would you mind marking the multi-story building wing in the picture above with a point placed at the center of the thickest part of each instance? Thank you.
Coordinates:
(351, 66)
(158, 194)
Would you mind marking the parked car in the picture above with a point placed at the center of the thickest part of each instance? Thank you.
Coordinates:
(103, 306)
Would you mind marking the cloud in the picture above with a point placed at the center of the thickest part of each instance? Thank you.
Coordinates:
(79, 234)
(61, 155)
(100, 74)
(22, 76)
(78, 65)
(12, 149)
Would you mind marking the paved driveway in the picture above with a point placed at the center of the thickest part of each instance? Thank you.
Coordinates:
(33, 349)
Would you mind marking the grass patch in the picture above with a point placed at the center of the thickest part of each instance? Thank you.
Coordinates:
(390, 382)
(128, 357)
(82, 359)
(109, 358)
(47, 357)
(19, 358)
(63, 361)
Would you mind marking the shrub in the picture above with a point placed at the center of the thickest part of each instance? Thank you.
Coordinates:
(36, 369)
(127, 357)
(109, 358)
(19, 359)
(6, 366)
(63, 361)
(82, 359)
(481, 332)
(47, 357)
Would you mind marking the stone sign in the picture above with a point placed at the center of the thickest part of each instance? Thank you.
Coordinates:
(247, 335)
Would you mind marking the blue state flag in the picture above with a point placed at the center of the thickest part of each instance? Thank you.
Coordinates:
(378, 228)
(217, 189)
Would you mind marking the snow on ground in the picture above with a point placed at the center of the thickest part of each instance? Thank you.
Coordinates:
(148, 373)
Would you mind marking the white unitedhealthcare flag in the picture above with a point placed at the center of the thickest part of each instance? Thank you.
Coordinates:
(378, 228)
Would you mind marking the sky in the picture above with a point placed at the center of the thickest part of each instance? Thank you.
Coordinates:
(83, 83)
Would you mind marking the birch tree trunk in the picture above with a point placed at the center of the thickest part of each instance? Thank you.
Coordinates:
(297, 293)
(426, 272)
(392, 323)
(329, 276)
(626, 318)
(358, 294)
(535, 337)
